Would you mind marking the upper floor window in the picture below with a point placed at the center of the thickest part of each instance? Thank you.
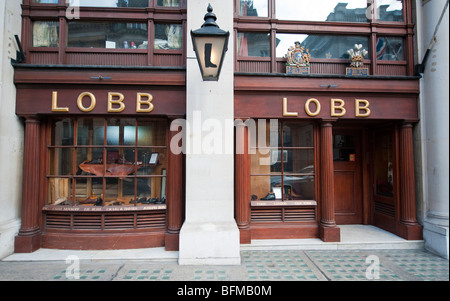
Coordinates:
(253, 44)
(110, 3)
(390, 49)
(45, 34)
(254, 8)
(389, 10)
(108, 35)
(113, 3)
(169, 3)
(325, 10)
(168, 36)
(46, 1)
(328, 10)
(322, 46)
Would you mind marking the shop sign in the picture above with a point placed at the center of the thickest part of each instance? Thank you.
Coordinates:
(313, 108)
(86, 102)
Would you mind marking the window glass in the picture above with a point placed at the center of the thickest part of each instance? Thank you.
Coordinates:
(168, 36)
(46, 1)
(63, 132)
(109, 3)
(254, 8)
(289, 174)
(91, 131)
(254, 44)
(324, 10)
(384, 165)
(106, 167)
(390, 49)
(298, 135)
(321, 46)
(390, 10)
(344, 148)
(108, 35)
(45, 34)
(169, 3)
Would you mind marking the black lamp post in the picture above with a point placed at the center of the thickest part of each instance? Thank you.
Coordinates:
(210, 45)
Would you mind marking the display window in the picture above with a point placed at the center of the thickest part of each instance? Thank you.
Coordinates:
(106, 162)
(108, 35)
(285, 171)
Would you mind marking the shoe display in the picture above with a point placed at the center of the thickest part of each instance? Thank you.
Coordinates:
(160, 201)
(269, 197)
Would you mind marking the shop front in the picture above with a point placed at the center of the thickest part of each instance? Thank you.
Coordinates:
(98, 171)
(335, 151)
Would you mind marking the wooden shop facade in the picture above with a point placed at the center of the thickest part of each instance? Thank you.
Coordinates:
(98, 95)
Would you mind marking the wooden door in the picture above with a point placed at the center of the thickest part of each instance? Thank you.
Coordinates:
(347, 161)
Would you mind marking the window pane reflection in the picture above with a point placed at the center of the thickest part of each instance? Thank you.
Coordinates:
(168, 36)
(390, 10)
(322, 46)
(45, 34)
(324, 10)
(169, 3)
(60, 191)
(286, 172)
(108, 35)
(110, 3)
(46, 1)
(254, 44)
(254, 8)
(91, 131)
(390, 49)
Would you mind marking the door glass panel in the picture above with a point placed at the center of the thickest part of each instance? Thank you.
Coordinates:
(344, 148)
(384, 168)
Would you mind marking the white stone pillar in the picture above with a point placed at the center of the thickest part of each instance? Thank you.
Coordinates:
(11, 129)
(435, 123)
(210, 234)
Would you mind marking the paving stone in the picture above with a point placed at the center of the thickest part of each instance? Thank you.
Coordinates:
(269, 265)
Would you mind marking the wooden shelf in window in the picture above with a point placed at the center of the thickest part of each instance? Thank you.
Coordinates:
(104, 50)
(60, 208)
(280, 203)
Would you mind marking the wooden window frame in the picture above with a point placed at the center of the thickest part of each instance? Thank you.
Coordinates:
(372, 29)
(64, 55)
(74, 147)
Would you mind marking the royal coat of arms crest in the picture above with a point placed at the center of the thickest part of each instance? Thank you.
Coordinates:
(298, 60)
(357, 55)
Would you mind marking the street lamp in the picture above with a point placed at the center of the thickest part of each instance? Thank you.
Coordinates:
(210, 45)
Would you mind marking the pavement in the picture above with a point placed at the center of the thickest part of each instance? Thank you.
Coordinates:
(384, 257)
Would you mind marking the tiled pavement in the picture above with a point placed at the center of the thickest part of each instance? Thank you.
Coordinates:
(270, 265)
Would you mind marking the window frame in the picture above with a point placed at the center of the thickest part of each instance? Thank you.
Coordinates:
(64, 55)
(371, 29)
(75, 147)
(282, 148)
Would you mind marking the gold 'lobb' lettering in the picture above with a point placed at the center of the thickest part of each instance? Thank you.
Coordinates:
(87, 102)
(337, 108)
